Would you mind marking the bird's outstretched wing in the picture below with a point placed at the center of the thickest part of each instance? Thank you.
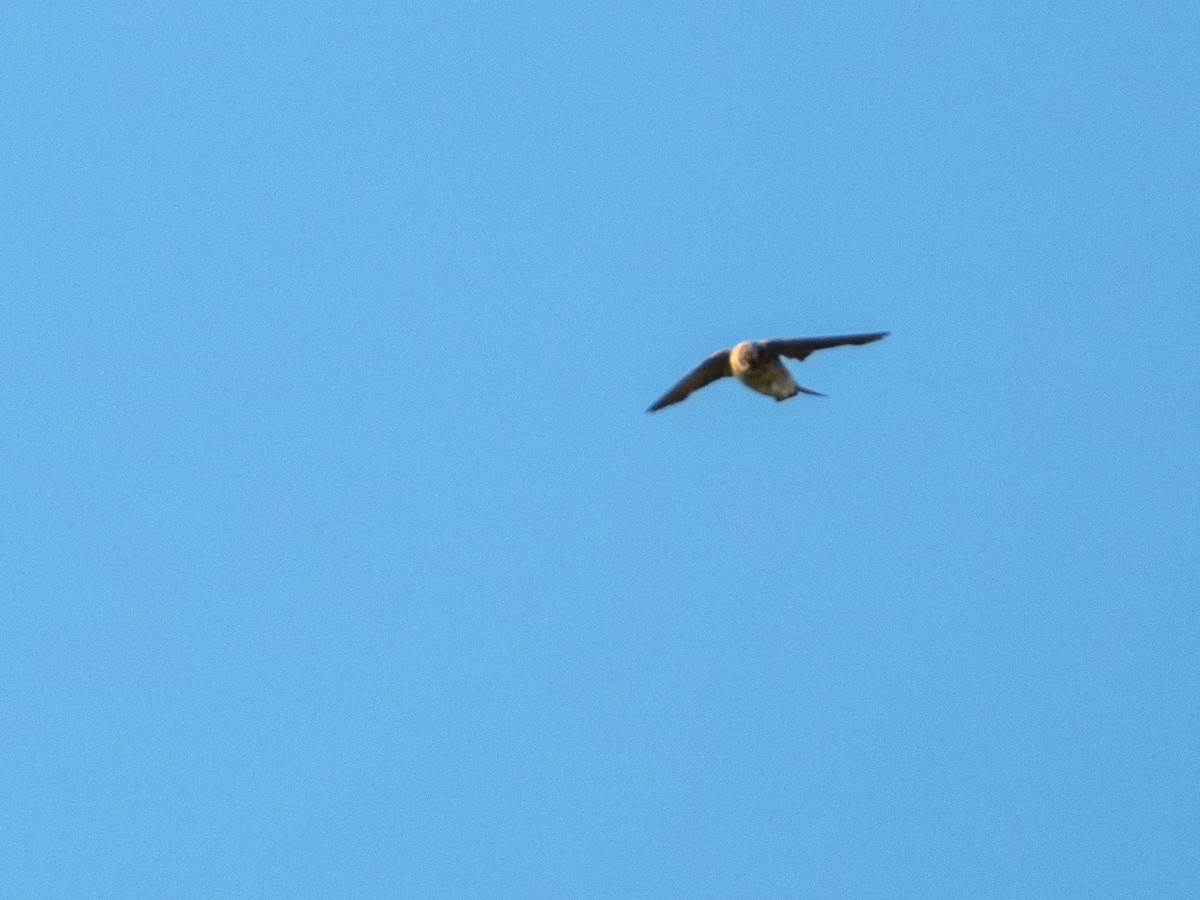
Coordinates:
(716, 366)
(800, 348)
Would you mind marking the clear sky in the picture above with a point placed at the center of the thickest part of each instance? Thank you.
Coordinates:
(341, 558)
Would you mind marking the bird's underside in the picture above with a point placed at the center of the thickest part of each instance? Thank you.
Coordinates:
(757, 365)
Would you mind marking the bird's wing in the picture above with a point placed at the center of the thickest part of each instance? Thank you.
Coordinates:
(716, 366)
(800, 348)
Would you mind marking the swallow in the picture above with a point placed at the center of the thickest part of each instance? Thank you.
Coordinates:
(756, 364)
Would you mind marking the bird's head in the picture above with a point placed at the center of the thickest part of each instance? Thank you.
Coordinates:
(748, 354)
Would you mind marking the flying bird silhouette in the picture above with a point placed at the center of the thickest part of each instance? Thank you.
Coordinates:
(756, 364)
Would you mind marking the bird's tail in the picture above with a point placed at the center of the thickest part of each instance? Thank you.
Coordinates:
(805, 390)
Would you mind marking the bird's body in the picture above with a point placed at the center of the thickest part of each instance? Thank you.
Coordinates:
(756, 364)
(761, 371)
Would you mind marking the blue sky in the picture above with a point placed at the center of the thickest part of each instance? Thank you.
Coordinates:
(341, 558)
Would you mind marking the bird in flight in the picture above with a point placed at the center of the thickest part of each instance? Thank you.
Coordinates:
(756, 364)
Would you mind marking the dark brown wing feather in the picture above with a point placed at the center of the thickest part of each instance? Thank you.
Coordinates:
(716, 366)
(800, 348)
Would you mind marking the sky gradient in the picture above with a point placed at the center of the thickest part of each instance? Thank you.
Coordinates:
(341, 558)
